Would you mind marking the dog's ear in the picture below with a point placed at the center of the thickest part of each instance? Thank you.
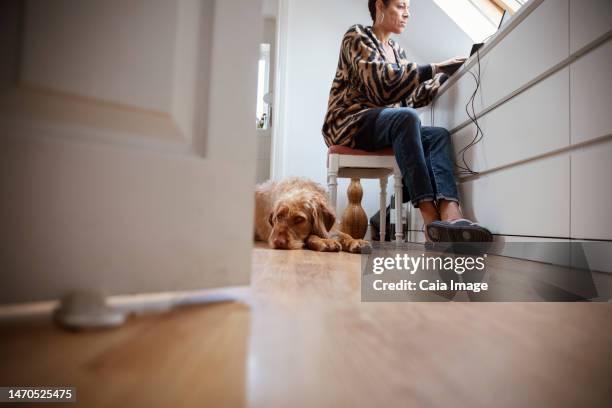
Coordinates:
(270, 219)
(329, 217)
(323, 218)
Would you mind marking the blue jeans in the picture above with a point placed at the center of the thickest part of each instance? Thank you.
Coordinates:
(423, 154)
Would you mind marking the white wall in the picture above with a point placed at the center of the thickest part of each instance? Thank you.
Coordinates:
(264, 136)
(309, 56)
(269, 8)
(432, 35)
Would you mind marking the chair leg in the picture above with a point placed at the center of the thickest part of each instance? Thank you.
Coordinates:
(332, 185)
(399, 231)
(332, 180)
(383, 208)
(408, 221)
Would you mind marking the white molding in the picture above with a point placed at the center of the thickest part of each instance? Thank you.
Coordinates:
(73, 117)
(279, 126)
(57, 104)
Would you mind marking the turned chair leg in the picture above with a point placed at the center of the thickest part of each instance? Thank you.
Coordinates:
(383, 208)
(332, 180)
(399, 230)
(354, 221)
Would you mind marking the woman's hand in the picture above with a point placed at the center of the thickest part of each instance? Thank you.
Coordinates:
(449, 67)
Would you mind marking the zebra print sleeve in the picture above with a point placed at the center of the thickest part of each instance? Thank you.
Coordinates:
(382, 83)
(425, 92)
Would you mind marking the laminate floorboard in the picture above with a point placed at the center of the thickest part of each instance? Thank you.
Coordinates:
(301, 337)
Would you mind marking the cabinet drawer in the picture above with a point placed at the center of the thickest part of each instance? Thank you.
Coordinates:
(592, 191)
(591, 90)
(589, 19)
(531, 199)
(532, 123)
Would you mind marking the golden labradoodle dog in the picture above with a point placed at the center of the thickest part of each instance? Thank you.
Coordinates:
(294, 213)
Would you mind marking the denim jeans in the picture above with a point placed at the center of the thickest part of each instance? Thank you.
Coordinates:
(423, 153)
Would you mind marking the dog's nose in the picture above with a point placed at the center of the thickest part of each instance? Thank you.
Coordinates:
(279, 242)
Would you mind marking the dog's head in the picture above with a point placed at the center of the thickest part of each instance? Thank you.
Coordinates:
(297, 216)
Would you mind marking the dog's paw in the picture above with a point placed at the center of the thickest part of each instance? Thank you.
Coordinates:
(329, 245)
(360, 246)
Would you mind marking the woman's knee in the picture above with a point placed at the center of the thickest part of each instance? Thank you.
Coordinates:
(404, 117)
(407, 124)
(408, 116)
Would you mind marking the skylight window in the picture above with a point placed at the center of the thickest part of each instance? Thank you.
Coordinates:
(511, 5)
(478, 18)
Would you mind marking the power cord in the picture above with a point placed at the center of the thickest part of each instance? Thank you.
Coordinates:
(465, 170)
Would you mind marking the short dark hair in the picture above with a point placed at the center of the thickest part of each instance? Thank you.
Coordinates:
(372, 7)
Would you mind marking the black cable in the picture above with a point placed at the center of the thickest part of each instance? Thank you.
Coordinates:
(479, 134)
(473, 117)
(465, 169)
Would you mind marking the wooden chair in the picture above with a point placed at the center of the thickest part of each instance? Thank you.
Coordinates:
(344, 162)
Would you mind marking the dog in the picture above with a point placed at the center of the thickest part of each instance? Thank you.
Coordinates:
(294, 213)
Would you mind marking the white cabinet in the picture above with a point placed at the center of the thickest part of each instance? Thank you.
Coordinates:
(531, 124)
(589, 19)
(592, 191)
(532, 199)
(449, 107)
(529, 50)
(591, 94)
(535, 167)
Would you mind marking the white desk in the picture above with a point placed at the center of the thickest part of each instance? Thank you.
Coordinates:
(545, 109)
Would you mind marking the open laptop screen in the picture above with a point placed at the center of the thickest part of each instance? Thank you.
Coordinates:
(502, 22)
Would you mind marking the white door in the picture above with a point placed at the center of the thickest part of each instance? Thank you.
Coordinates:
(127, 145)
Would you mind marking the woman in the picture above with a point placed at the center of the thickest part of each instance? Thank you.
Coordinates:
(371, 106)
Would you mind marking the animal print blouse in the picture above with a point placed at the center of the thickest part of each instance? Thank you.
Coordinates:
(365, 80)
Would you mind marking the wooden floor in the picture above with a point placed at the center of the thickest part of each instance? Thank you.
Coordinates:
(303, 338)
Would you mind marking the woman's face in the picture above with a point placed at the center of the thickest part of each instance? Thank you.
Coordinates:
(396, 15)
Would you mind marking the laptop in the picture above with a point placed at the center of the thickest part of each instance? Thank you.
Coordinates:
(504, 20)
(455, 67)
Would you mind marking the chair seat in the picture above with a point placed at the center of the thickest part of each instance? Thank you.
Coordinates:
(345, 150)
(361, 158)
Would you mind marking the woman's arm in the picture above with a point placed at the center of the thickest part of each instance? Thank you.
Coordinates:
(425, 92)
(383, 83)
